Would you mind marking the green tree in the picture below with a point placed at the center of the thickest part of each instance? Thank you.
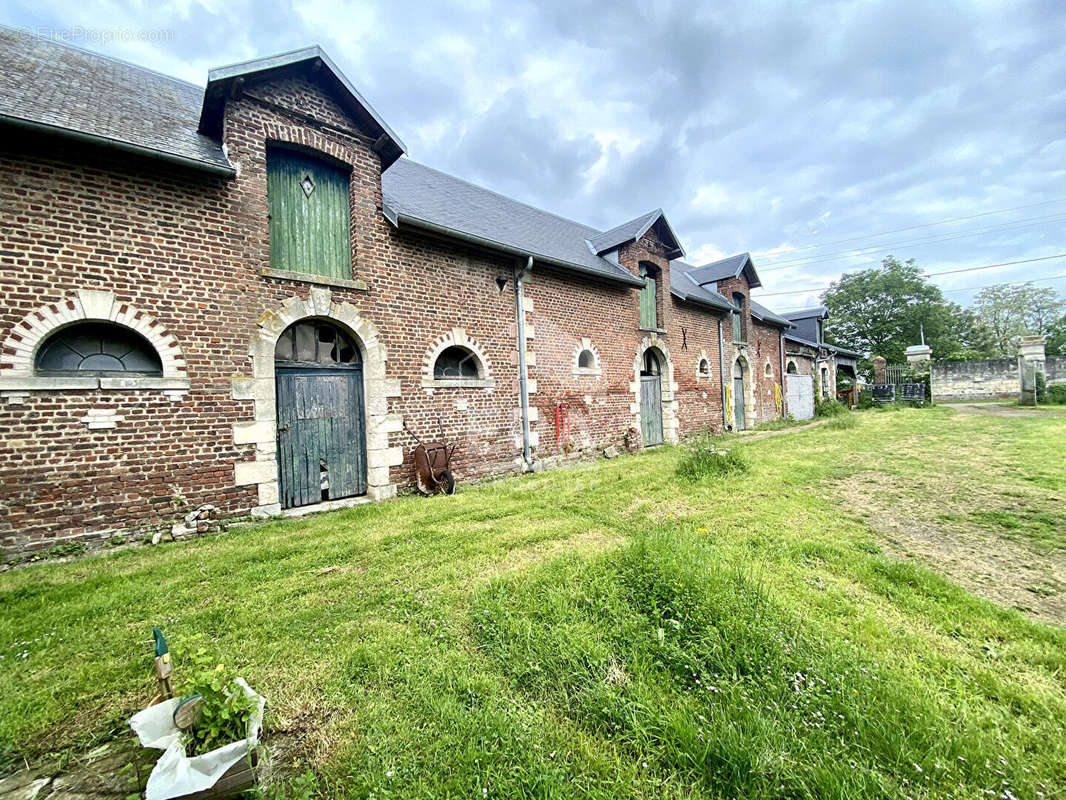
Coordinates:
(1056, 338)
(884, 310)
(1014, 310)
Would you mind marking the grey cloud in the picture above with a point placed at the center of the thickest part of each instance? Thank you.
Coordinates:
(878, 114)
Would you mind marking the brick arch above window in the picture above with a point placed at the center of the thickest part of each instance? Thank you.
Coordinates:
(703, 366)
(18, 353)
(584, 353)
(457, 338)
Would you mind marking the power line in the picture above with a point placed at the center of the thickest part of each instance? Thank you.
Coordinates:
(1014, 283)
(927, 225)
(889, 246)
(934, 274)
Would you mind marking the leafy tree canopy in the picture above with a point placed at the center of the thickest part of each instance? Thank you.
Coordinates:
(884, 310)
(1011, 311)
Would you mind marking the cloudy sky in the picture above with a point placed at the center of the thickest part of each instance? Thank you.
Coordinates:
(797, 131)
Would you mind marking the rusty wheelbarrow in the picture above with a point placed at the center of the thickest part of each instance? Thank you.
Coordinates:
(433, 473)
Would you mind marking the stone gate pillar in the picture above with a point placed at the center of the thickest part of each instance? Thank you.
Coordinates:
(1030, 361)
(880, 370)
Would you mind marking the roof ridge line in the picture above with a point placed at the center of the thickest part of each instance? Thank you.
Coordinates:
(500, 194)
(115, 59)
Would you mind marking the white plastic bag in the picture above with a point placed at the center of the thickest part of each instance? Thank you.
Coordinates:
(175, 773)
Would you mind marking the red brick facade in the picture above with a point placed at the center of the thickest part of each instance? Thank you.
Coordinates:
(187, 251)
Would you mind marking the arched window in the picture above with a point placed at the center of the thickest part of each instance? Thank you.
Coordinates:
(791, 370)
(456, 363)
(97, 348)
(768, 370)
(586, 360)
(705, 368)
(316, 342)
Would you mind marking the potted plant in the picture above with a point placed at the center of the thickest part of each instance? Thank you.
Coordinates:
(209, 734)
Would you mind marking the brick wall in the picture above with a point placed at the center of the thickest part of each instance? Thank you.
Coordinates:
(189, 250)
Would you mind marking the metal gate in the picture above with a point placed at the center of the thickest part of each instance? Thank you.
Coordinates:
(800, 389)
(321, 434)
(651, 409)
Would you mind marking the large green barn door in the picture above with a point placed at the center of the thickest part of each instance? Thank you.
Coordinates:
(321, 451)
(309, 214)
(651, 400)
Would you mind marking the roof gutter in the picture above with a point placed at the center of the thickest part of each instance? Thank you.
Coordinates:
(117, 144)
(397, 219)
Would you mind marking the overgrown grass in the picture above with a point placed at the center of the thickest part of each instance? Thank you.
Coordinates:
(611, 588)
(696, 672)
(830, 408)
(842, 422)
(707, 457)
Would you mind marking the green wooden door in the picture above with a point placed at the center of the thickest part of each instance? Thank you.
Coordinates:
(738, 402)
(651, 409)
(648, 315)
(321, 434)
(309, 215)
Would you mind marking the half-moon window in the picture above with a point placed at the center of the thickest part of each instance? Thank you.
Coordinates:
(97, 348)
(456, 363)
(316, 342)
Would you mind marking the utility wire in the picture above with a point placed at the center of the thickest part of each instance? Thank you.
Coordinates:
(889, 246)
(1015, 283)
(927, 225)
(934, 274)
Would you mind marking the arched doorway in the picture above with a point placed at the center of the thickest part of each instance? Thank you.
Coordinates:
(321, 422)
(651, 398)
(738, 396)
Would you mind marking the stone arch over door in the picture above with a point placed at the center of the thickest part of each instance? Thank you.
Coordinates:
(261, 428)
(669, 387)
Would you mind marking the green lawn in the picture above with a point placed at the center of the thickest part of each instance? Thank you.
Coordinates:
(610, 630)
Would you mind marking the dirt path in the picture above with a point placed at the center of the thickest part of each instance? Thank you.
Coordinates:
(754, 437)
(992, 409)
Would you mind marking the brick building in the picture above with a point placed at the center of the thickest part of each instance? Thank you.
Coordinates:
(236, 298)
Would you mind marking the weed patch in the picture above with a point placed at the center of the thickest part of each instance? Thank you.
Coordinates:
(702, 459)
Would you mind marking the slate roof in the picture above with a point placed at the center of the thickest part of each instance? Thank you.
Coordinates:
(633, 230)
(761, 312)
(53, 87)
(806, 313)
(417, 195)
(834, 348)
(727, 268)
(683, 287)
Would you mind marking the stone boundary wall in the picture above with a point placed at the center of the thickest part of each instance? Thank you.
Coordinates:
(987, 380)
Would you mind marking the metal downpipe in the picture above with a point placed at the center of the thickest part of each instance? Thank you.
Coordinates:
(721, 371)
(523, 379)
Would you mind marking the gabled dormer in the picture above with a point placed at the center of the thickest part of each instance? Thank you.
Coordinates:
(313, 65)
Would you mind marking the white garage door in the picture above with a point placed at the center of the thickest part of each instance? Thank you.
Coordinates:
(800, 396)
